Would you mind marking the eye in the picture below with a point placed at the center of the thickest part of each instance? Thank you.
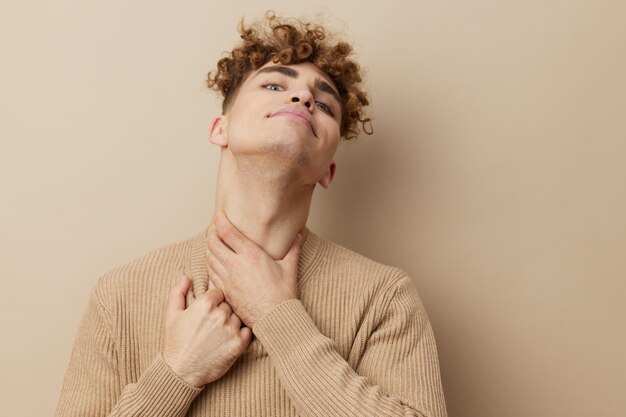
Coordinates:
(324, 107)
(272, 87)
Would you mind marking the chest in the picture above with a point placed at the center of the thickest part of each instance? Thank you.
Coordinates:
(251, 387)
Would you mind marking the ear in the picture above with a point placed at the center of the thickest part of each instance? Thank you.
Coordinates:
(328, 177)
(217, 133)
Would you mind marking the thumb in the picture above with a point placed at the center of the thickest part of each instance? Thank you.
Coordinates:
(176, 301)
(291, 257)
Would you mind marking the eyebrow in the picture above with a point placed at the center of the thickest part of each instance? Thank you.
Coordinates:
(290, 72)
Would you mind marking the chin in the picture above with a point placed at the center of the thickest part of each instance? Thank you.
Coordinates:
(285, 147)
(285, 141)
(287, 153)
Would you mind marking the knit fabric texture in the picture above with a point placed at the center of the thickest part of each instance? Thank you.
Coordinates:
(356, 342)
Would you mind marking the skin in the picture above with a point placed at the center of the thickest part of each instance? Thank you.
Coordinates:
(269, 167)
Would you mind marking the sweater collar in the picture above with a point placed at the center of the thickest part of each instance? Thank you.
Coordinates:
(197, 268)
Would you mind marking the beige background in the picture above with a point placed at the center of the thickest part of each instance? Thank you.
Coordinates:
(496, 178)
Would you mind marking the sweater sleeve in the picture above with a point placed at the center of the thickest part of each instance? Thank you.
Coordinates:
(91, 386)
(397, 375)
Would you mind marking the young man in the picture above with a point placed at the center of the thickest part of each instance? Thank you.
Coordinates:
(256, 315)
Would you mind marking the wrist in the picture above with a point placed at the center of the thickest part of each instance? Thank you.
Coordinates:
(271, 307)
(187, 378)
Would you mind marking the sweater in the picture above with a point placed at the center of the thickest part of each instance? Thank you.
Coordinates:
(356, 342)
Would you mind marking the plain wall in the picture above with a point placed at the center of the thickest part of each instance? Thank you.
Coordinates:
(495, 177)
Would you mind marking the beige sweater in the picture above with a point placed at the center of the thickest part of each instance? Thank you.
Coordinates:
(356, 342)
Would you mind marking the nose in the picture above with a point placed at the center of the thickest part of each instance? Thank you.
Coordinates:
(303, 96)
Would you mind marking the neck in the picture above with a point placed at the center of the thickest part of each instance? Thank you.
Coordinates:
(269, 209)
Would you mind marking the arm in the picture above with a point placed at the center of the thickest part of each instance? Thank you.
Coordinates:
(92, 385)
(397, 375)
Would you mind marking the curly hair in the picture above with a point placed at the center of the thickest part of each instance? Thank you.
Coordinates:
(291, 42)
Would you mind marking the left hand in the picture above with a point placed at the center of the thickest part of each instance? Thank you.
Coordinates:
(253, 283)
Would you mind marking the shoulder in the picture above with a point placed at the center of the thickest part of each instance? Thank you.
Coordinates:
(386, 287)
(364, 292)
(350, 265)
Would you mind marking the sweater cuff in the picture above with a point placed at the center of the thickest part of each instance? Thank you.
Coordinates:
(160, 392)
(285, 328)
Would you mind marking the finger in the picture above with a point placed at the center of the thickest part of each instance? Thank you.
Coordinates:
(234, 320)
(215, 296)
(227, 309)
(212, 230)
(215, 279)
(212, 280)
(176, 300)
(216, 264)
(218, 249)
(230, 235)
(246, 336)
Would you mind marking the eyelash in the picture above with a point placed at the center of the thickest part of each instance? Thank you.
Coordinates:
(326, 107)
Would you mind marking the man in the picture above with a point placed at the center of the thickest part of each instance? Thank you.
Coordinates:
(256, 315)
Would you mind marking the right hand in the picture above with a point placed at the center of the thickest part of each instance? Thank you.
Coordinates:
(203, 341)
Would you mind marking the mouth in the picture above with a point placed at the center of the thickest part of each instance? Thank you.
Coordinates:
(297, 116)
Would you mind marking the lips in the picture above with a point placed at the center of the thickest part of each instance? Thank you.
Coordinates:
(298, 115)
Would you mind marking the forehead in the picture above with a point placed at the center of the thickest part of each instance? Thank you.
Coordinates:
(306, 69)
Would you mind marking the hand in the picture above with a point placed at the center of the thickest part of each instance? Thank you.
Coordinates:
(203, 341)
(253, 283)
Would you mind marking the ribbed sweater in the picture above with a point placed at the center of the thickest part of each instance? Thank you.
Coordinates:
(356, 342)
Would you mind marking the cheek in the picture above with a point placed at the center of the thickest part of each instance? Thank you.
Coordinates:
(331, 130)
(243, 122)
